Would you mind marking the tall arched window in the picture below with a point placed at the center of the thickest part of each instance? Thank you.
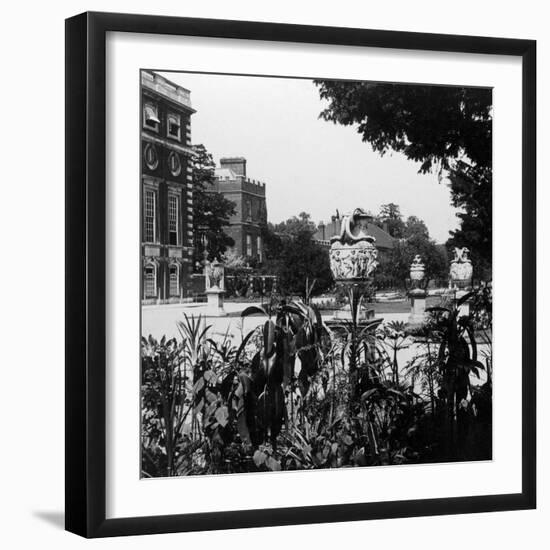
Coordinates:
(174, 280)
(150, 281)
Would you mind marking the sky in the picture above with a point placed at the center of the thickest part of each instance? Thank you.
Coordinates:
(308, 164)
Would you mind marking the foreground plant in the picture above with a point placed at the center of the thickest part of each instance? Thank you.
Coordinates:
(163, 404)
(294, 395)
(457, 361)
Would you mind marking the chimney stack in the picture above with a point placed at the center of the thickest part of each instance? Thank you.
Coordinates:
(237, 164)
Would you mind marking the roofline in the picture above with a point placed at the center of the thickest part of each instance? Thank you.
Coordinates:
(182, 97)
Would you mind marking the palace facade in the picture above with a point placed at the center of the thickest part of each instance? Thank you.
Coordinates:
(167, 189)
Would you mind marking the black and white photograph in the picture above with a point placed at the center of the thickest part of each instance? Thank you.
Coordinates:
(316, 273)
(274, 275)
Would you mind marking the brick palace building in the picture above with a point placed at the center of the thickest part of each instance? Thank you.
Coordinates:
(250, 206)
(167, 189)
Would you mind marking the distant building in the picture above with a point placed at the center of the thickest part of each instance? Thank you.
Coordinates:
(167, 189)
(384, 241)
(250, 206)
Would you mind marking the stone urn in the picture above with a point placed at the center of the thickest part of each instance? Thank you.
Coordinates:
(417, 292)
(461, 269)
(353, 256)
(353, 260)
(417, 270)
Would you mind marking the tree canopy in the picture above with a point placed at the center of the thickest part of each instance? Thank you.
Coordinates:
(444, 128)
(303, 260)
(296, 224)
(391, 220)
(412, 238)
(293, 255)
(415, 226)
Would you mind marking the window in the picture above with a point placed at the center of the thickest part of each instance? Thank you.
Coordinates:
(173, 219)
(150, 117)
(262, 215)
(174, 127)
(248, 209)
(150, 216)
(151, 157)
(174, 280)
(249, 245)
(174, 164)
(259, 248)
(150, 283)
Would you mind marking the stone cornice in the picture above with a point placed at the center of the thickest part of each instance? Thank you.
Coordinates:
(168, 144)
(161, 86)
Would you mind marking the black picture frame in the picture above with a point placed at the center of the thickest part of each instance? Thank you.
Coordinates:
(86, 284)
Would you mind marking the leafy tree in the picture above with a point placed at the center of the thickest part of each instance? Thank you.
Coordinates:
(211, 210)
(296, 225)
(292, 254)
(390, 211)
(475, 231)
(391, 220)
(446, 128)
(415, 240)
(396, 265)
(273, 243)
(433, 256)
(415, 226)
(303, 261)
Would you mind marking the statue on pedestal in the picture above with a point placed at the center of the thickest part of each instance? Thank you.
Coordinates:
(214, 275)
(215, 288)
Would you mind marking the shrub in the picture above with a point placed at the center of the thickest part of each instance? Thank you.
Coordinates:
(294, 395)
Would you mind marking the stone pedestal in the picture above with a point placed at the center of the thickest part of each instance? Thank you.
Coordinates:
(418, 307)
(464, 309)
(214, 297)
